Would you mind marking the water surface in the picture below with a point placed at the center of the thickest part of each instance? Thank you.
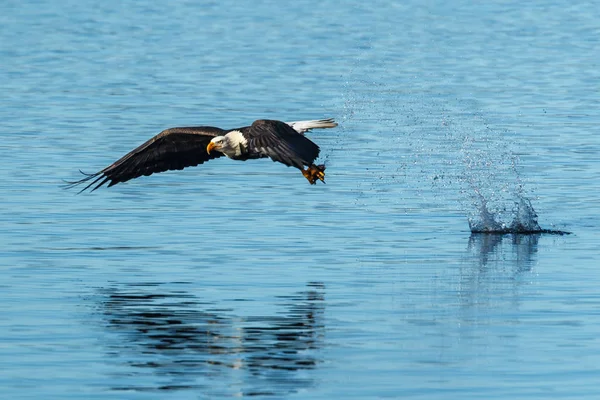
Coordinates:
(240, 279)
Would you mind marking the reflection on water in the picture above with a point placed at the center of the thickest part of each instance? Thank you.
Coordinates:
(499, 266)
(517, 248)
(177, 341)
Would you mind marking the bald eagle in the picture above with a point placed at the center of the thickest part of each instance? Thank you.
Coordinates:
(177, 148)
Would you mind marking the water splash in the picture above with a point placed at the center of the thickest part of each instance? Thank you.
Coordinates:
(525, 221)
(486, 220)
(525, 218)
(444, 154)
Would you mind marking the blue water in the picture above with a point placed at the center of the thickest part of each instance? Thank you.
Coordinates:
(239, 279)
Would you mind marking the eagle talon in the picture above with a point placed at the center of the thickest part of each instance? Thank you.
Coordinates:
(314, 172)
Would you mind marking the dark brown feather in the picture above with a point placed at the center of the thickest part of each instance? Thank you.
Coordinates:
(172, 149)
(280, 142)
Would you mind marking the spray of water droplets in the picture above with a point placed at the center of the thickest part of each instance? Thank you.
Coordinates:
(441, 150)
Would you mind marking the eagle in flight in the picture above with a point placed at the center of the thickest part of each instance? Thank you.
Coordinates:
(178, 148)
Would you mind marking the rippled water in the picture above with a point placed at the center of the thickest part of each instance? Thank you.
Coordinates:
(240, 279)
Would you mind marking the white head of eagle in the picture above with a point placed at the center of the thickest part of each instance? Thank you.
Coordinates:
(232, 145)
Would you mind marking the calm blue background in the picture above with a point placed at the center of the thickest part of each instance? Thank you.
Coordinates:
(238, 279)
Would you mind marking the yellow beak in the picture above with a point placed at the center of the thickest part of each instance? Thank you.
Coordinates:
(210, 146)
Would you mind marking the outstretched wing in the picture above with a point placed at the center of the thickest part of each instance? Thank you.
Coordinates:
(280, 142)
(172, 149)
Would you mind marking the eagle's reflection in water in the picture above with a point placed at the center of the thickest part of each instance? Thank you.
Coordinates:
(168, 339)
